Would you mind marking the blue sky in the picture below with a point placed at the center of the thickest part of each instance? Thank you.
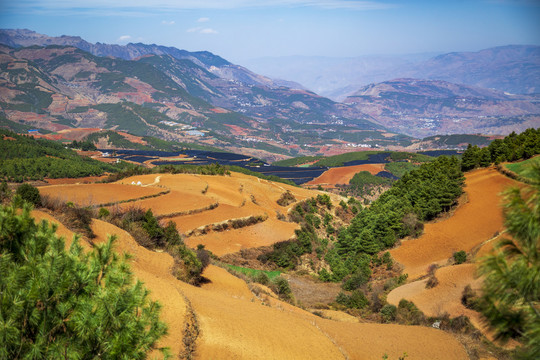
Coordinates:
(243, 29)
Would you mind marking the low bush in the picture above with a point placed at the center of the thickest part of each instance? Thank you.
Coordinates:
(281, 287)
(388, 313)
(29, 193)
(357, 300)
(460, 257)
(286, 199)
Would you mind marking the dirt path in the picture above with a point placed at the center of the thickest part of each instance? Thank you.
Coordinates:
(473, 223)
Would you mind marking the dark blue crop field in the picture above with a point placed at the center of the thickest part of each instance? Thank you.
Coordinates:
(437, 153)
(386, 174)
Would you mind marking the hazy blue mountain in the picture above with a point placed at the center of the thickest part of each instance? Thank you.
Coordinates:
(513, 69)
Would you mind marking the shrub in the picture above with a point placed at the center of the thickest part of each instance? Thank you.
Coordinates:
(388, 313)
(286, 199)
(357, 300)
(409, 314)
(262, 278)
(80, 219)
(460, 257)
(469, 298)
(281, 287)
(29, 193)
(103, 213)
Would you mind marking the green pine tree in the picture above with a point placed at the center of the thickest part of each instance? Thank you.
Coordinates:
(69, 304)
(511, 294)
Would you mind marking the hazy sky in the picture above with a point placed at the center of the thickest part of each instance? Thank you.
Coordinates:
(243, 29)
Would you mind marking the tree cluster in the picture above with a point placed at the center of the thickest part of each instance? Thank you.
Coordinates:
(512, 148)
(26, 158)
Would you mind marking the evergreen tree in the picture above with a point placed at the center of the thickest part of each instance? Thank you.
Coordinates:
(511, 294)
(469, 159)
(68, 304)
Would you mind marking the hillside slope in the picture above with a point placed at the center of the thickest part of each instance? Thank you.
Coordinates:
(427, 107)
(234, 323)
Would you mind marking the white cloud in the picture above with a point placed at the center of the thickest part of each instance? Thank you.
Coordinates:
(165, 22)
(201, 30)
(203, 19)
(208, 31)
(124, 38)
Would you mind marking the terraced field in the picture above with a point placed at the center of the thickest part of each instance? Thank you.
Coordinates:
(233, 322)
(95, 194)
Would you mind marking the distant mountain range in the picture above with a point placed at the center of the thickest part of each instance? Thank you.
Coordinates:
(421, 108)
(64, 82)
(514, 69)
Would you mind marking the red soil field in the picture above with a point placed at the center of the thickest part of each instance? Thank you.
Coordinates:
(172, 203)
(95, 194)
(223, 212)
(342, 175)
(262, 234)
(446, 296)
(472, 223)
(83, 180)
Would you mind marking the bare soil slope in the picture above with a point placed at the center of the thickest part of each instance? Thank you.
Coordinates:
(445, 297)
(197, 201)
(94, 194)
(342, 175)
(472, 223)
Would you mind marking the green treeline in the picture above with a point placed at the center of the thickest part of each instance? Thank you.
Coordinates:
(340, 160)
(418, 196)
(26, 158)
(512, 148)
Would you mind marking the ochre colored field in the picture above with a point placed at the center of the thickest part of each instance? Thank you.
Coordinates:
(443, 298)
(342, 175)
(224, 212)
(237, 196)
(472, 223)
(172, 203)
(83, 180)
(95, 194)
(372, 341)
(231, 241)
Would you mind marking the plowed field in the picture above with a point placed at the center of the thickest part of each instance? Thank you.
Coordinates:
(94, 194)
(443, 298)
(262, 234)
(342, 175)
(472, 223)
